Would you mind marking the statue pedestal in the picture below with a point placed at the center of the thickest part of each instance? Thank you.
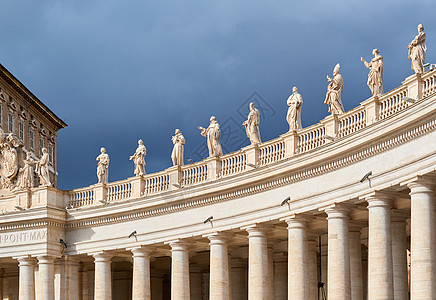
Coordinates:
(213, 168)
(414, 86)
(331, 124)
(252, 153)
(291, 142)
(175, 173)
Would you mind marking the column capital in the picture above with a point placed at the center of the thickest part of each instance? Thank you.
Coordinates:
(337, 211)
(26, 260)
(259, 230)
(296, 221)
(218, 237)
(46, 259)
(141, 251)
(102, 256)
(178, 245)
(420, 183)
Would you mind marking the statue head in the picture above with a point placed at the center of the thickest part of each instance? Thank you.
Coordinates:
(212, 119)
(44, 150)
(251, 105)
(375, 51)
(102, 150)
(294, 90)
(140, 142)
(28, 155)
(420, 28)
(177, 131)
(337, 69)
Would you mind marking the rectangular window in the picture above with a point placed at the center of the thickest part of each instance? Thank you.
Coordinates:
(41, 145)
(31, 139)
(50, 154)
(10, 123)
(21, 131)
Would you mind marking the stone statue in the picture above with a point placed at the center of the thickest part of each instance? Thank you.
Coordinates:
(417, 51)
(42, 169)
(177, 154)
(334, 91)
(252, 125)
(26, 176)
(103, 166)
(8, 160)
(375, 75)
(213, 134)
(139, 159)
(295, 102)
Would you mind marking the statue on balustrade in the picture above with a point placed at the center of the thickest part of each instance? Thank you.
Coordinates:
(103, 166)
(179, 141)
(26, 177)
(295, 102)
(42, 169)
(139, 159)
(213, 135)
(334, 91)
(252, 125)
(375, 75)
(8, 160)
(417, 51)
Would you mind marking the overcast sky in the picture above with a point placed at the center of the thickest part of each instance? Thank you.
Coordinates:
(119, 71)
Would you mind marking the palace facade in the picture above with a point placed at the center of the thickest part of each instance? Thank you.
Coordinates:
(332, 209)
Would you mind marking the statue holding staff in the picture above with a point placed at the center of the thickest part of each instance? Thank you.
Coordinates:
(334, 91)
(42, 169)
(295, 102)
(179, 141)
(418, 50)
(252, 125)
(139, 159)
(375, 75)
(213, 135)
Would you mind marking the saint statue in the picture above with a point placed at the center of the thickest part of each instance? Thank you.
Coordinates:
(334, 91)
(417, 51)
(42, 169)
(213, 134)
(295, 102)
(177, 154)
(252, 125)
(375, 75)
(25, 176)
(103, 166)
(139, 159)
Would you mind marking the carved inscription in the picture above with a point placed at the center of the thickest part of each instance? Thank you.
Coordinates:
(22, 237)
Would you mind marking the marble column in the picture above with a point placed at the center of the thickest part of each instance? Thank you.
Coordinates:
(423, 254)
(356, 262)
(179, 271)
(257, 263)
(380, 278)
(399, 255)
(46, 276)
(59, 279)
(238, 278)
(26, 277)
(270, 251)
(219, 267)
(312, 243)
(195, 274)
(298, 265)
(338, 270)
(102, 276)
(141, 289)
(72, 267)
(280, 276)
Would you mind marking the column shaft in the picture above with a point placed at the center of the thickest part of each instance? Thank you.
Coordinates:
(356, 264)
(26, 278)
(399, 259)
(141, 274)
(219, 268)
(179, 271)
(313, 270)
(72, 278)
(102, 276)
(46, 276)
(338, 273)
(423, 263)
(298, 265)
(270, 272)
(257, 263)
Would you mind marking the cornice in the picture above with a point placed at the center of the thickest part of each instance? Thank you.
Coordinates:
(377, 146)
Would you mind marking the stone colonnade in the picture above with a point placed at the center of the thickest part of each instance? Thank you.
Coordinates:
(270, 275)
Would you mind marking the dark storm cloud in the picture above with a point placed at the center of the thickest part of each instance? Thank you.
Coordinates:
(117, 71)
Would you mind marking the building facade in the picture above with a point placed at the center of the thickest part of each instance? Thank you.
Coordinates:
(332, 209)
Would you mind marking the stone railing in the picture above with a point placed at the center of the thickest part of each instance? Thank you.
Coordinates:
(287, 145)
